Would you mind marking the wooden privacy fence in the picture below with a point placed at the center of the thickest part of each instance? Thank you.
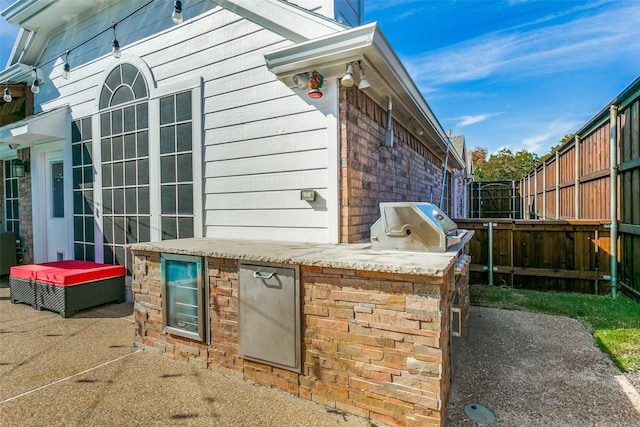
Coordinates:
(568, 256)
(576, 181)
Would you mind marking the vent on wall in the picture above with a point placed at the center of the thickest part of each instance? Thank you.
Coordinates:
(7, 252)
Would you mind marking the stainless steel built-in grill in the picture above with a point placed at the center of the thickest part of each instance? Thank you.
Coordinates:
(414, 226)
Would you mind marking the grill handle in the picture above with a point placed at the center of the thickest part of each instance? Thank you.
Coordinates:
(404, 231)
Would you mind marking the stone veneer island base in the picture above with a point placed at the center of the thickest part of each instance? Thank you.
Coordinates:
(375, 325)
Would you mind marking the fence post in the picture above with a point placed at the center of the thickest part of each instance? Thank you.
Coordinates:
(576, 191)
(490, 256)
(544, 190)
(613, 141)
(557, 184)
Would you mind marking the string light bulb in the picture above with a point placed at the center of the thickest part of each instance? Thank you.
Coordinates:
(115, 47)
(35, 86)
(176, 16)
(66, 71)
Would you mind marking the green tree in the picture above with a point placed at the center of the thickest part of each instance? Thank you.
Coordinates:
(505, 166)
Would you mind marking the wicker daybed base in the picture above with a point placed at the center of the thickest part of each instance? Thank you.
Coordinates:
(22, 290)
(67, 286)
(67, 300)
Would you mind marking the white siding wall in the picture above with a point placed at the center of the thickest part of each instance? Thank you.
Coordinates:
(262, 141)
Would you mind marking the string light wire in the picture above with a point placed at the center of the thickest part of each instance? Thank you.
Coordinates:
(109, 28)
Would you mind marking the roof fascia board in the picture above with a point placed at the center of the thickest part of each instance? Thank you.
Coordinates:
(290, 21)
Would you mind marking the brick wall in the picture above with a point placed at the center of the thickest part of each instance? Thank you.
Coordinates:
(374, 344)
(371, 173)
(25, 211)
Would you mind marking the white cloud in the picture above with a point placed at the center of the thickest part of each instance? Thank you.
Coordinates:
(469, 120)
(520, 52)
(546, 136)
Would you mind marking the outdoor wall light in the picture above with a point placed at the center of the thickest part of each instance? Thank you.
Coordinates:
(314, 82)
(115, 47)
(66, 70)
(300, 80)
(347, 80)
(19, 168)
(7, 94)
(364, 83)
(176, 16)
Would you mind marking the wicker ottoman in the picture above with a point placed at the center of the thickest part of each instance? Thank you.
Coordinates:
(70, 286)
(22, 283)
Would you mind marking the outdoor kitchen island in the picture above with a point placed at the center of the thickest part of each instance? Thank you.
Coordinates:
(360, 330)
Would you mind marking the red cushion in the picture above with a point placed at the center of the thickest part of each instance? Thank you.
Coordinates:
(28, 272)
(66, 273)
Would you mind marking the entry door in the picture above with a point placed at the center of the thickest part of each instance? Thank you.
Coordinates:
(57, 233)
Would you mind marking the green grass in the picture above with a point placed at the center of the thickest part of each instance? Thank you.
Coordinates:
(614, 323)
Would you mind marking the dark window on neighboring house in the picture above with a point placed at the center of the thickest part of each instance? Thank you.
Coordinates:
(83, 178)
(11, 217)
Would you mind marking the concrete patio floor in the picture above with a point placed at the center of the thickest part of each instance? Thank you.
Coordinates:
(85, 371)
(529, 369)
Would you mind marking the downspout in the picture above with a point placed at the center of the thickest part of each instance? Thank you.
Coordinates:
(456, 176)
(444, 170)
(388, 135)
(613, 141)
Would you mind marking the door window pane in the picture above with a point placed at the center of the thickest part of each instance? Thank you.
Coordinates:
(57, 190)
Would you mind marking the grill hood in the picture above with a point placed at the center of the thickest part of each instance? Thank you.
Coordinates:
(416, 226)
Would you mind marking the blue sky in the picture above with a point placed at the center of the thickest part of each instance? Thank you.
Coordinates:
(514, 74)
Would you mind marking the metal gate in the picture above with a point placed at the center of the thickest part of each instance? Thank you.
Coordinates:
(496, 199)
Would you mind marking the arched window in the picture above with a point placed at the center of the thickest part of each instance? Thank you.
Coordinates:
(124, 148)
(124, 84)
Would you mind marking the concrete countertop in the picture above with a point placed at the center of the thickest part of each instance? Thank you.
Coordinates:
(341, 256)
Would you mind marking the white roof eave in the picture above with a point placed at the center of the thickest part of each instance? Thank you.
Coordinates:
(17, 73)
(330, 54)
(43, 127)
